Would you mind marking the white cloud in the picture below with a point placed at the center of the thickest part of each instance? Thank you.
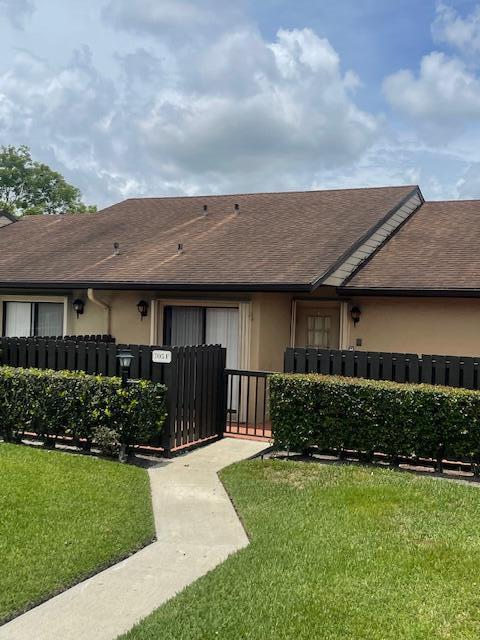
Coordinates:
(168, 18)
(451, 28)
(17, 12)
(234, 113)
(445, 89)
(295, 112)
(298, 51)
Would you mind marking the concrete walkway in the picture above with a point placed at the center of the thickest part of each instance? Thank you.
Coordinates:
(197, 528)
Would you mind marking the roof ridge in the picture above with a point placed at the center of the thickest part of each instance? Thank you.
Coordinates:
(456, 200)
(269, 193)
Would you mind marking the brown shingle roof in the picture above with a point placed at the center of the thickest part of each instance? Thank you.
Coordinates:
(437, 249)
(276, 238)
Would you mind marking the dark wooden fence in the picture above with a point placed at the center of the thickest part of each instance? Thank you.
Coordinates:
(454, 371)
(92, 356)
(248, 403)
(195, 379)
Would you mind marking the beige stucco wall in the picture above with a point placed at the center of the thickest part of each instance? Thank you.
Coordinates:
(419, 325)
(271, 315)
(269, 318)
(126, 324)
(271, 324)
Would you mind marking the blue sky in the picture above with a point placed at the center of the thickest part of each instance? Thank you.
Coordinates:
(162, 97)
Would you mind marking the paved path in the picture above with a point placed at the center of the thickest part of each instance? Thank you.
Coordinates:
(197, 528)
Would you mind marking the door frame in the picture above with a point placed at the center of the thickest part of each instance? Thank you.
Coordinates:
(340, 305)
(157, 318)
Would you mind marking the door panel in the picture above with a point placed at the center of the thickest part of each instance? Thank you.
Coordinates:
(49, 319)
(317, 326)
(187, 328)
(222, 328)
(18, 319)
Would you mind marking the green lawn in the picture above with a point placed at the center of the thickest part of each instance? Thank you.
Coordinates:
(62, 517)
(337, 552)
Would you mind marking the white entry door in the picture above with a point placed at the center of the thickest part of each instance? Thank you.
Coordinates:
(221, 327)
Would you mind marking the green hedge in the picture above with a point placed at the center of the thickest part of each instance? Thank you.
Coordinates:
(66, 403)
(367, 415)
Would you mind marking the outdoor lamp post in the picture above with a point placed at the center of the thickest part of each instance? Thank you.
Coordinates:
(125, 357)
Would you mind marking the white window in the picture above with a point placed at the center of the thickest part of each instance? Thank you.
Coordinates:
(319, 331)
(24, 319)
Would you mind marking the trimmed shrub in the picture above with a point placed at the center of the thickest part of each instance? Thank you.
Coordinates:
(414, 420)
(107, 440)
(66, 403)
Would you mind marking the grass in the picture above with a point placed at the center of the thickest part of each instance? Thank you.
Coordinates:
(62, 517)
(337, 552)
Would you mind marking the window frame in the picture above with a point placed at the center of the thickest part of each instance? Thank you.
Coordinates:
(34, 301)
(325, 331)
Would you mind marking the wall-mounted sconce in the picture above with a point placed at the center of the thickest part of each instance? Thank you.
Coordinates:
(142, 307)
(355, 314)
(78, 307)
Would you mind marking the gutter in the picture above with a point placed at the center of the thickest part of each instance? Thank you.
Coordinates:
(102, 305)
(156, 286)
(409, 293)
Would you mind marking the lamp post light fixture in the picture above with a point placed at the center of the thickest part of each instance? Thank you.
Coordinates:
(78, 307)
(142, 307)
(355, 314)
(125, 358)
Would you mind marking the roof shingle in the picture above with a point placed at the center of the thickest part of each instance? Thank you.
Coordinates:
(437, 249)
(275, 238)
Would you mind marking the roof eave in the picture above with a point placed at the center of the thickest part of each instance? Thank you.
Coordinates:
(406, 292)
(10, 216)
(159, 286)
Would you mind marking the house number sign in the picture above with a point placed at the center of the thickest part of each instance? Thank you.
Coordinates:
(160, 356)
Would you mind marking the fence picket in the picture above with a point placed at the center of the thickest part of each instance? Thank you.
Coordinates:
(324, 355)
(455, 371)
(399, 367)
(413, 368)
(312, 360)
(362, 364)
(374, 365)
(440, 369)
(336, 357)
(350, 363)
(51, 355)
(468, 371)
(91, 357)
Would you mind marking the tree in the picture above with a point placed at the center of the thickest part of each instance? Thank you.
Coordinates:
(28, 187)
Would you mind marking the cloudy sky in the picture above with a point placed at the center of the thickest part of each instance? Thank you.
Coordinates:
(161, 97)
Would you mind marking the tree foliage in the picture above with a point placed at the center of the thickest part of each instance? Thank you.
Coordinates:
(28, 187)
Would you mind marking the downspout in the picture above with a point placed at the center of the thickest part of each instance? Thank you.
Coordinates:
(102, 305)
